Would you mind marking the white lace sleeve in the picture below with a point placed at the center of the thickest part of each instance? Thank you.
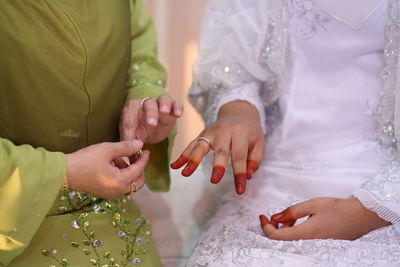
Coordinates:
(249, 92)
(239, 58)
(381, 194)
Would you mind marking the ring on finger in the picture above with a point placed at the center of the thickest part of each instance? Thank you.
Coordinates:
(139, 153)
(133, 188)
(144, 100)
(205, 140)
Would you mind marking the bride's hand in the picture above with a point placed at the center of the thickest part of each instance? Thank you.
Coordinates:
(237, 134)
(328, 218)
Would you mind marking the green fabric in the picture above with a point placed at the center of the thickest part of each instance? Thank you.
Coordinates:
(147, 78)
(66, 69)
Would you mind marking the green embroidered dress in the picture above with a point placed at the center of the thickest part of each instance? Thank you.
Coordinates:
(66, 69)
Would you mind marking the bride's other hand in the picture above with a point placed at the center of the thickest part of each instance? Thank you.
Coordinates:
(328, 218)
(236, 134)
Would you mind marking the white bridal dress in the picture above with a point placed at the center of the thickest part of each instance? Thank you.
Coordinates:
(323, 144)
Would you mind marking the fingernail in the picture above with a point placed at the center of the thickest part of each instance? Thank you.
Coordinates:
(217, 173)
(178, 112)
(152, 121)
(137, 143)
(252, 164)
(239, 189)
(277, 217)
(190, 168)
(249, 174)
(263, 220)
(164, 109)
(179, 162)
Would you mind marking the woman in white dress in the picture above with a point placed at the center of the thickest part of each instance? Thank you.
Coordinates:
(313, 84)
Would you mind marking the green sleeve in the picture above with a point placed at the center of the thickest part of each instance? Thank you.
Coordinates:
(30, 180)
(147, 79)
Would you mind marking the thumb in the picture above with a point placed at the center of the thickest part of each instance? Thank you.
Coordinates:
(124, 148)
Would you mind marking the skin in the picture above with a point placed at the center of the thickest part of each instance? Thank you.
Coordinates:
(100, 169)
(328, 218)
(93, 169)
(236, 134)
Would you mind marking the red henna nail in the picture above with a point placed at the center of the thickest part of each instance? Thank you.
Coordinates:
(179, 162)
(252, 164)
(263, 220)
(217, 174)
(190, 168)
(249, 174)
(240, 180)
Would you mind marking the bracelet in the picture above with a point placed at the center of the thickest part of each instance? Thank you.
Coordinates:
(64, 186)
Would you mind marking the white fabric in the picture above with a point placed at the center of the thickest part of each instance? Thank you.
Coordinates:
(343, 10)
(325, 145)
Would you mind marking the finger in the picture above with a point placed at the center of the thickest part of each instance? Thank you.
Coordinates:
(255, 157)
(221, 156)
(184, 157)
(200, 149)
(301, 231)
(177, 109)
(164, 104)
(239, 147)
(150, 108)
(138, 182)
(123, 148)
(289, 223)
(135, 169)
(129, 120)
(294, 212)
(120, 163)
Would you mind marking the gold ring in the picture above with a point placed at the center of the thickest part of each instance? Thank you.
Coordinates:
(139, 153)
(205, 140)
(144, 100)
(133, 188)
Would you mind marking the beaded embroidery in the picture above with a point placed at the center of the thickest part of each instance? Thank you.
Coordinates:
(133, 233)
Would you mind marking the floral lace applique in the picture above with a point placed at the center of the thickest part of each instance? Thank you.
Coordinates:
(310, 20)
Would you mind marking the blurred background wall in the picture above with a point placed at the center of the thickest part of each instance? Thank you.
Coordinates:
(178, 24)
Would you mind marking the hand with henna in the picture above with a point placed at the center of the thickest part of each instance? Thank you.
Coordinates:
(236, 134)
(328, 218)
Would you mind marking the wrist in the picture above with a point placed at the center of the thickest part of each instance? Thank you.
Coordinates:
(369, 216)
(68, 182)
(239, 108)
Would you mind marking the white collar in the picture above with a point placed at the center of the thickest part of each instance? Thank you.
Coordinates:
(352, 12)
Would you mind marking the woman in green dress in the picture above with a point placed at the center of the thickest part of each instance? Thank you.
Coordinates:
(79, 82)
